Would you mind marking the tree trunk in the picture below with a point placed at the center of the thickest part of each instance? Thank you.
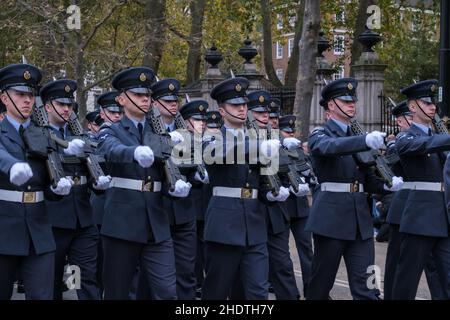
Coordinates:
(155, 28)
(292, 68)
(195, 43)
(307, 66)
(79, 76)
(360, 24)
(267, 43)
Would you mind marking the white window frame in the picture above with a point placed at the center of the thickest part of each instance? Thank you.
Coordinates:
(340, 74)
(279, 50)
(280, 74)
(279, 22)
(336, 49)
(290, 46)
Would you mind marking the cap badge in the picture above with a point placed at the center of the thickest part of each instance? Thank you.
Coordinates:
(214, 116)
(67, 88)
(142, 77)
(291, 122)
(27, 75)
(201, 108)
(171, 87)
(272, 104)
(433, 88)
(261, 99)
(238, 87)
(349, 86)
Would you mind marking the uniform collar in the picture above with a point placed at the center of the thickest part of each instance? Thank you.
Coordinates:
(135, 122)
(16, 124)
(343, 126)
(422, 127)
(234, 132)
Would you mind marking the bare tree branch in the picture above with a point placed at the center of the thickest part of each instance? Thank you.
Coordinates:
(101, 22)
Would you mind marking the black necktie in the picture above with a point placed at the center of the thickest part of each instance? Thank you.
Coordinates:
(141, 131)
(61, 130)
(349, 131)
(168, 129)
(21, 130)
(430, 133)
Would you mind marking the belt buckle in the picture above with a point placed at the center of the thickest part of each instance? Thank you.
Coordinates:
(246, 193)
(355, 186)
(442, 187)
(146, 187)
(29, 197)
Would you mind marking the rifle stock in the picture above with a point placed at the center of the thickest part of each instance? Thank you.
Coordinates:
(171, 171)
(41, 142)
(92, 160)
(372, 158)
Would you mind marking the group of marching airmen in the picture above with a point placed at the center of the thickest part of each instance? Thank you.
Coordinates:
(114, 202)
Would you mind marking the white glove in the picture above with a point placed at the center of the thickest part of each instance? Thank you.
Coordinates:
(306, 172)
(303, 190)
(176, 137)
(270, 148)
(397, 183)
(75, 147)
(205, 180)
(144, 156)
(102, 183)
(291, 143)
(20, 173)
(63, 187)
(374, 140)
(283, 194)
(181, 189)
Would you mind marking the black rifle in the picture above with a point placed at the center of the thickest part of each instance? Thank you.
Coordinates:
(41, 142)
(372, 158)
(171, 171)
(181, 124)
(273, 181)
(92, 160)
(439, 124)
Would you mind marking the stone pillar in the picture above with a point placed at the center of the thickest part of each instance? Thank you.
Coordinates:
(202, 88)
(369, 71)
(323, 73)
(249, 71)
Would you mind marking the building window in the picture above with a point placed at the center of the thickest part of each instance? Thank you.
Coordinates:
(280, 74)
(279, 50)
(340, 16)
(279, 22)
(290, 46)
(339, 74)
(338, 44)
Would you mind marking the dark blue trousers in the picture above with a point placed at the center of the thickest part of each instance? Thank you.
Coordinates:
(80, 247)
(200, 260)
(358, 256)
(392, 256)
(281, 268)
(156, 263)
(303, 242)
(225, 263)
(415, 253)
(36, 272)
(184, 238)
(100, 264)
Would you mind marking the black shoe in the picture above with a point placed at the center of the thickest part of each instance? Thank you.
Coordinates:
(20, 288)
(198, 293)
